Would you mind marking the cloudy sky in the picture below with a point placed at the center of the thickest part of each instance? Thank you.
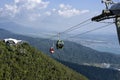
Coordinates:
(50, 11)
(53, 15)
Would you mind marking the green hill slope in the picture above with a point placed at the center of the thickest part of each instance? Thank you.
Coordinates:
(23, 62)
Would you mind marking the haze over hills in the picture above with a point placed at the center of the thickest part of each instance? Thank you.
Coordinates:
(21, 29)
(100, 42)
(12, 26)
(109, 43)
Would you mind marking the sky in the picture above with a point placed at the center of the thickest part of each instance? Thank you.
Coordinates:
(54, 15)
(40, 13)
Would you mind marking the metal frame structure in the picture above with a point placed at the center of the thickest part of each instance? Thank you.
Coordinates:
(110, 14)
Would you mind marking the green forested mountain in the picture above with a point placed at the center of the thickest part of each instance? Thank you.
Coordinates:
(23, 62)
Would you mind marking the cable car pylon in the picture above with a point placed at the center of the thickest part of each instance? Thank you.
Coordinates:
(110, 13)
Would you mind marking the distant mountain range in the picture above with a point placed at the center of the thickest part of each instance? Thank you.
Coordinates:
(21, 29)
(72, 52)
(14, 27)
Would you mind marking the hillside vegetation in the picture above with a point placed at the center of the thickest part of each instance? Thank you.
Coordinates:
(23, 62)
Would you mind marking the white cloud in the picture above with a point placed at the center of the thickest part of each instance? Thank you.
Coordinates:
(16, 1)
(48, 13)
(84, 11)
(9, 10)
(26, 6)
(33, 4)
(63, 6)
(69, 11)
(54, 10)
(12, 8)
(33, 17)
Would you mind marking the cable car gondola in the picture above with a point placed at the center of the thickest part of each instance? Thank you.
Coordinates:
(59, 44)
(52, 50)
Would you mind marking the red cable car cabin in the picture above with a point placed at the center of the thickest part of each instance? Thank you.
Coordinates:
(52, 50)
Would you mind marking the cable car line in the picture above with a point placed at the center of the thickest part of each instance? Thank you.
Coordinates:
(60, 43)
(76, 26)
(90, 31)
(71, 28)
